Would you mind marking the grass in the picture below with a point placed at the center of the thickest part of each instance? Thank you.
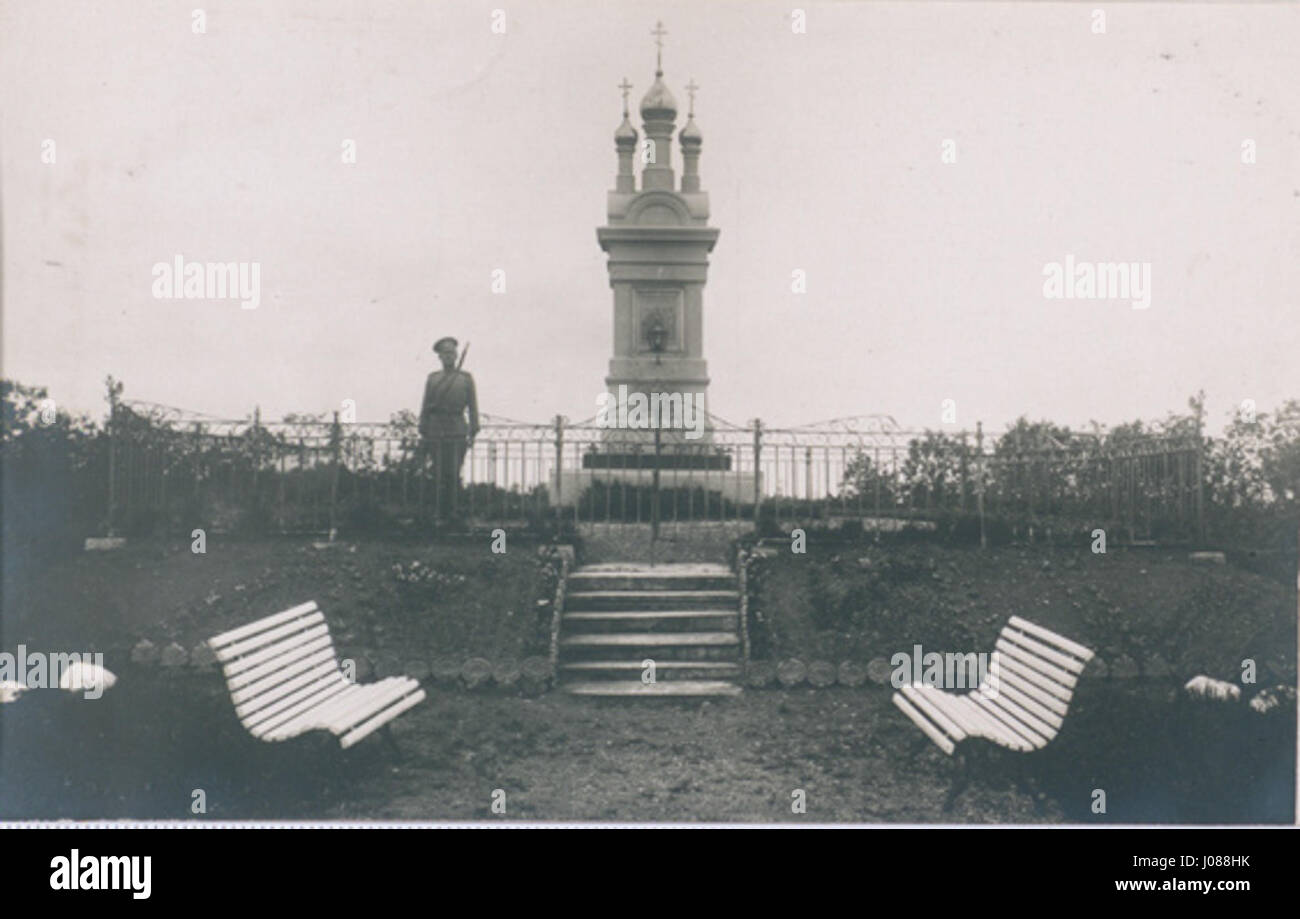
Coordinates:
(861, 603)
(483, 604)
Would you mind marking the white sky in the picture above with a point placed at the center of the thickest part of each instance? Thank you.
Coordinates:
(479, 151)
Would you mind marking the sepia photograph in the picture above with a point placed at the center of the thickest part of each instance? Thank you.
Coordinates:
(648, 413)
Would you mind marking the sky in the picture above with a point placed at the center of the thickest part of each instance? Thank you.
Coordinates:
(823, 153)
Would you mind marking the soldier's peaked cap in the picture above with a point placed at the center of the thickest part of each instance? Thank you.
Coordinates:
(446, 343)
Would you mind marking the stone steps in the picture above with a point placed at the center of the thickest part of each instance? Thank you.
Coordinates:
(664, 670)
(683, 617)
(684, 577)
(650, 639)
(674, 620)
(637, 688)
(650, 599)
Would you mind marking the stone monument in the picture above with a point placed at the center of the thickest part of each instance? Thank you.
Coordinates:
(658, 241)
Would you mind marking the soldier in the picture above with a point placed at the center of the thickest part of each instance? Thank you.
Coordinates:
(444, 433)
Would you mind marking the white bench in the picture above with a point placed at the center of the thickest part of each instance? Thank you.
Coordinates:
(1021, 705)
(285, 679)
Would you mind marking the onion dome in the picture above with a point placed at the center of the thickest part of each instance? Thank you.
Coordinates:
(625, 136)
(658, 103)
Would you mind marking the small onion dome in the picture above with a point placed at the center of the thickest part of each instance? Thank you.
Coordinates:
(658, 103)
(626, 134)
(691, 134)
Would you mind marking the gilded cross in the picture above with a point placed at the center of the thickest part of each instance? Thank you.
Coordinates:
(691, 88)
(625, 86)
(659, 32)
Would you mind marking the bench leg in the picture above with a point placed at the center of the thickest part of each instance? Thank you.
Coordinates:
(390, 741)
(1027, 782)
(919, 744)
(960, 780)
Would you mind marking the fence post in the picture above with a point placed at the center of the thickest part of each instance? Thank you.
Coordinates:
(559, 464)
(808, 476)
(1200, 481)
(879, 473)
(257, 458)
(336, 445)
(112, 459)
(198, 456)
(758, 452)
(979, 479)
(965, 458)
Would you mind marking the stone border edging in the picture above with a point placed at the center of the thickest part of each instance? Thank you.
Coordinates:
(508, 672)
(532, 674)
(793, 672)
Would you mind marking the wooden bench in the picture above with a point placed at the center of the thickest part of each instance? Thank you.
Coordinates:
(285, 679)
(1021, 705)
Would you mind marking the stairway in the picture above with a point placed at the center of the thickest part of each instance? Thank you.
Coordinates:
(684, 617)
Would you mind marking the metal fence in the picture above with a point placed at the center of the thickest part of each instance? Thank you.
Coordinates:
(172, 470)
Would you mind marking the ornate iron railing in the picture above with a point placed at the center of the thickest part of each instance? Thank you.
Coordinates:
(176, 469)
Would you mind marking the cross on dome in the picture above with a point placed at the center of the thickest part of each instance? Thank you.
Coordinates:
(626, 87)
(659, 32)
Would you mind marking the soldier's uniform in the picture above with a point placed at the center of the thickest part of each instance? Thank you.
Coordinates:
(445, 432)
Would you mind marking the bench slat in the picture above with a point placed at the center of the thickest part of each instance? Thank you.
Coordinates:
(248, 661)
(1044, 715)
(1009, 679)
(383, 694)
(1038, 649)
(1072, 647)
(995, 730)
(312, 694)
(243, 631)
(1047, 687)
(942, 742)
(1005, 702)
(985, 726)
(1041, 733)
(1068, 680)
(946, 724)
(258, 704)
(284, 657)
(378, 721)
(950, 706)
(269, 637)
(312, 717)
(358, 697)
(273, 686)
(1010, 722)
(971, 718)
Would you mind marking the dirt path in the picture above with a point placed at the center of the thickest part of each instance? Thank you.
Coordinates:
(564, 758)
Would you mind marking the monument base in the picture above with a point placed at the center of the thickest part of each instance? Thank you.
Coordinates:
(569, 486)
(676, 460)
